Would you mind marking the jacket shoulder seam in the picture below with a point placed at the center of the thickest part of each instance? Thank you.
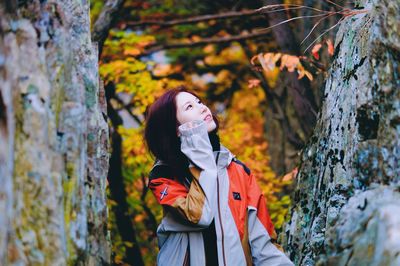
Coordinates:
(246, 169)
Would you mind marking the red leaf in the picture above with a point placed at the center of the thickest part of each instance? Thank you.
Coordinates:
(330, 47)
(315, 50)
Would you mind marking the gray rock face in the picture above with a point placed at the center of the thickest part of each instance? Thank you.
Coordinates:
(367, 231)
(53, 137)
(353, 158)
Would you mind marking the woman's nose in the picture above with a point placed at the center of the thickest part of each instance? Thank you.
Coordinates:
(203, 108)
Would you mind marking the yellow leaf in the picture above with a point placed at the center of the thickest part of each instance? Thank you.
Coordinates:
(128, 244)
(272, 76)
(223, 75)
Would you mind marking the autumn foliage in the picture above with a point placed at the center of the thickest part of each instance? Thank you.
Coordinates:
(220, 74)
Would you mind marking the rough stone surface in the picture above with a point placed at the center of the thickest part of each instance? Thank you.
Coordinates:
(354, 153)
(54, 163)
(377, 212)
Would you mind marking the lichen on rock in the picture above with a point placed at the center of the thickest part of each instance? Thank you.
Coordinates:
(54, 165)
(354, 152)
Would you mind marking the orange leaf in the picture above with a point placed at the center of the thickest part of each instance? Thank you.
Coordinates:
(208, 49)
(330, 47)
(254, 83)
(262, 62)
(290, 62)
(276, 57)
(308, 74)
(291, 175)
(270, 60)
(302, 72)
(196, 38)
(162, 69)
(132, 51)
(315, 50)
(254, 59)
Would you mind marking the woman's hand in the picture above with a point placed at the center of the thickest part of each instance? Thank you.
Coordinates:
(195, 142)
(189, 125)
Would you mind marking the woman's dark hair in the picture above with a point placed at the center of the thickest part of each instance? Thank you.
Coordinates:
(161, 131)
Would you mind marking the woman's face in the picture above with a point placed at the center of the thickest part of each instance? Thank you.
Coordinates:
(189, 108)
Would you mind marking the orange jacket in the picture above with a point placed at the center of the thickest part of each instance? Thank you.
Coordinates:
(222, 190)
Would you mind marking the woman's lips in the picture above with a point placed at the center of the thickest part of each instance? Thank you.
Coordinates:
(208, 118)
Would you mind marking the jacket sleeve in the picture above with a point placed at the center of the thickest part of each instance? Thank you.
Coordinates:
(196, 205)
(261, 230)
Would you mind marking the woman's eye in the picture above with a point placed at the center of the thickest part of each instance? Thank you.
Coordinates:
(199, 102)
(189, 106)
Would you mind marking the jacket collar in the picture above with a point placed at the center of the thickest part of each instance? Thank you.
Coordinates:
(225, 157)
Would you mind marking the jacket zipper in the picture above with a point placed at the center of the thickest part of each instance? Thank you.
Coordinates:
(219, 215)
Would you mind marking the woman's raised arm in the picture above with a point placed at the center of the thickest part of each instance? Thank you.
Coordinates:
(198, 204)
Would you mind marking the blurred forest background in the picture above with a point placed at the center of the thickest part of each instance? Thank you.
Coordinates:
(259, 67)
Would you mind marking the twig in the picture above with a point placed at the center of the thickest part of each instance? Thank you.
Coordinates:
(313, 28)
(126, 107)
(197, 19)
(203, 42)
(316, 39)
(227, 15)
(292, 5)
(288, 20)
(333, 3)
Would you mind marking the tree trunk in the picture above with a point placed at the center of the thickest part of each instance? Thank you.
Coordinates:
(53, 137)
(117, 187)
(346, 203)
(106, 19)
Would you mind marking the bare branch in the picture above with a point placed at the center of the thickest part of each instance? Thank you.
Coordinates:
(205, 41)
(192, 20)
(126, 107)
(313, 28)
(319, 36)
(226, 15)
(288, 20)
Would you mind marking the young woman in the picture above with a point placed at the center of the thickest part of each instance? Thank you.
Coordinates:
(214, 211)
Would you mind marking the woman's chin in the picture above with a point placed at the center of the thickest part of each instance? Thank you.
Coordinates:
(211, 126)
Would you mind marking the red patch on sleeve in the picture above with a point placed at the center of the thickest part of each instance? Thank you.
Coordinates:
(166, 190)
